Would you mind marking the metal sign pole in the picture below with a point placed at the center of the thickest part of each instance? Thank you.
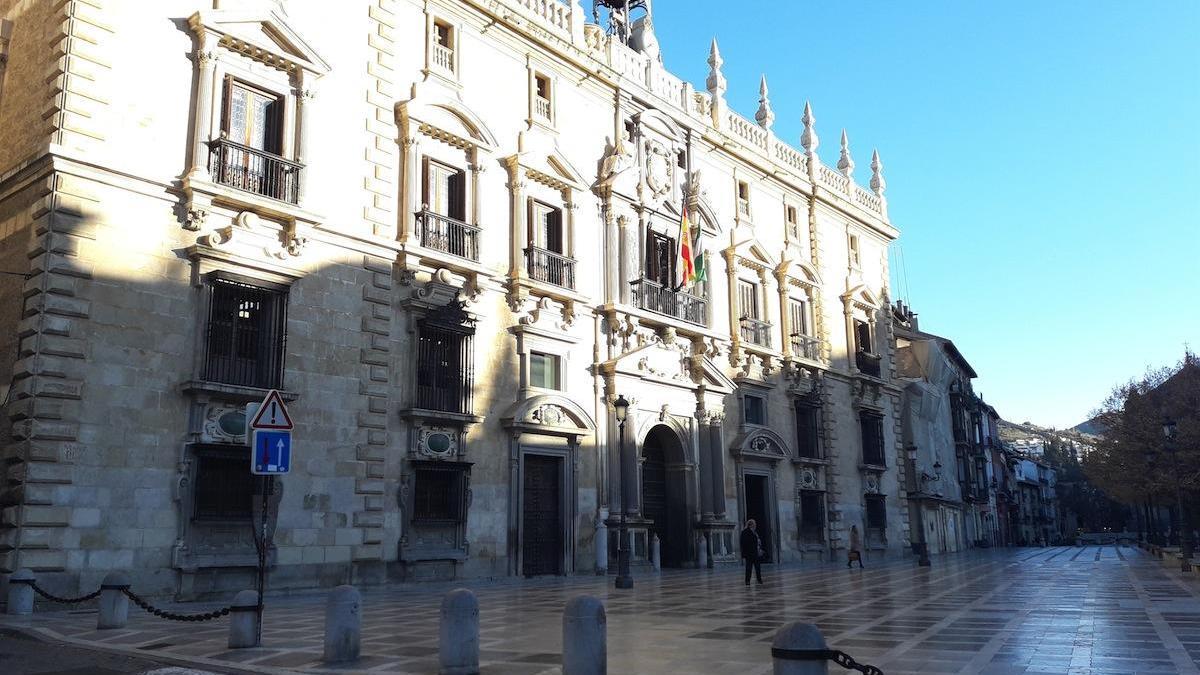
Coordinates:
(262, 555)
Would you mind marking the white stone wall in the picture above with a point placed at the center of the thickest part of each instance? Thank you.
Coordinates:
(118, 227)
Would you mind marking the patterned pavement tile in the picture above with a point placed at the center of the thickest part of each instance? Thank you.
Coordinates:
(1091, 610)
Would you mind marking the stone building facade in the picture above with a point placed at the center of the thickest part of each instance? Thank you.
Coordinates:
(445, 231)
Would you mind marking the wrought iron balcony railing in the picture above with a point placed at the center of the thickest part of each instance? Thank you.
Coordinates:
(550, 267)
(655, 297)
(253, 170)
(756, 331)
(806, 346)
(443, 233)
(868, 364)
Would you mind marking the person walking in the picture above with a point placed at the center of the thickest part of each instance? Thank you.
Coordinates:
(752, 551)
(855, 552)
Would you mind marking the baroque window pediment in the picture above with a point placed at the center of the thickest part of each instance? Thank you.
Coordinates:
(263, 36)
(539, 159)
(444, 118)
(761, 443)
(549, 414)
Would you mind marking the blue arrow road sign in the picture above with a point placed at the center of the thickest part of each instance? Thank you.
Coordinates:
(271, 453)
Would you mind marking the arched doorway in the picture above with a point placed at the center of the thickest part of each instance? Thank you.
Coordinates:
(664, 494)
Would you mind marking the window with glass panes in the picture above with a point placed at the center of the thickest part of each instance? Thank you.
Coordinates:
(544, 371)
(871, 428)
(755, 409)
(660, 259)
(245, 334)
(748, 299)
(547, 226)
(253, 117)
(445, 190)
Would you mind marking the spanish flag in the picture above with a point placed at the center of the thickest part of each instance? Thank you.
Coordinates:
(685, 269)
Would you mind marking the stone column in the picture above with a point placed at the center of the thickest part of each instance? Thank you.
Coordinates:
(410, 190)
(305, 95)
(704, 459)
(717, 459)
(205, 85)
(623, 290)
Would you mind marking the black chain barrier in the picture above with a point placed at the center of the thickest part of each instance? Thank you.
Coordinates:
(162, 613)
(65, 601)
(841, 658)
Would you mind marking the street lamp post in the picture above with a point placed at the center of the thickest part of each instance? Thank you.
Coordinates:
(922, 546)
(1185, 529)
(624, 579)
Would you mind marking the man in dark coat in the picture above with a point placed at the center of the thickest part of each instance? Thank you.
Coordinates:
(752, 551)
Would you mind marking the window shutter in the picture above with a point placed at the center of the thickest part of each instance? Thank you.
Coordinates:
(226, 102)
(427, 178)
(554, 233)
(456, 186)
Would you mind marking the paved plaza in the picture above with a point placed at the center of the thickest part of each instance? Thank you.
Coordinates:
(1096, 609)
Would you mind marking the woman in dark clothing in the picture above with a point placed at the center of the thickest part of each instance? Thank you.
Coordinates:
(752, 551)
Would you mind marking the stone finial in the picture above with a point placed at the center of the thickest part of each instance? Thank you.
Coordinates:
(846, 162)
(765, 116)
(809, 140)
(716, 85)
(878, 184)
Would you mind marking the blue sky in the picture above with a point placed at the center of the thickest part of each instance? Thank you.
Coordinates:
(1042, 159)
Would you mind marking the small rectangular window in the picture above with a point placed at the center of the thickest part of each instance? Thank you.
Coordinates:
(224, 486)
(743, 198)
(755, 409)
(808, 431)
(862, 337)
(253, 117)
(855, 257)
(541, 99)
(791, 216)
(438, 495)
(544, 371)
(876, 513)
(871, 429)
(748, 299)
(812, 516)
(443, 46)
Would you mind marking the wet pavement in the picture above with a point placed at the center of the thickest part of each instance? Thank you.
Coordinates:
(1095, 609)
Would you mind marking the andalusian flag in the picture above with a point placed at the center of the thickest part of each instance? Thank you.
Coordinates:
(685, 269)
(699, 260)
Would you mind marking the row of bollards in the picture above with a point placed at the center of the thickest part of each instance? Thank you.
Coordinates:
(795, 650)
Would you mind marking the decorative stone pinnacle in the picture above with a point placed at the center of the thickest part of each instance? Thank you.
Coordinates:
(809, 140)
(878, 184)
(765, 116)
(716, 81)
(846, 162)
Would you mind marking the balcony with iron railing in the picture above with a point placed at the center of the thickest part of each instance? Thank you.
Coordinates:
(449, 235)
(806, 346)
(550, 267)
(756, 332)
(655, 297)
(868, 363)
(253, 170)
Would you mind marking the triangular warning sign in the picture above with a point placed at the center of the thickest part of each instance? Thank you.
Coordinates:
(272, 414)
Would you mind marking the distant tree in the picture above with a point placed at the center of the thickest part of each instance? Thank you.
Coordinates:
(1130, 461)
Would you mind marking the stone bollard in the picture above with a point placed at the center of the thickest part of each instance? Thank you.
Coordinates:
(798, 635)
(702, 557)
(243, 620)
(343, 625)
(20, 593)
(601, 547)
(655, 552)
(458, 634)
(114, 604)
(585, 637)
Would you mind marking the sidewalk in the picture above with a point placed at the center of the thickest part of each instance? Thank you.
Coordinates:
(1096, 609)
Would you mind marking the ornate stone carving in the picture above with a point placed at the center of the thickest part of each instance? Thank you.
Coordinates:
(617, 160)
(437, 442)
(659, 170)
(549, 414)
(808, 478)
(223, 423)
(871, 484)
(195, 220)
